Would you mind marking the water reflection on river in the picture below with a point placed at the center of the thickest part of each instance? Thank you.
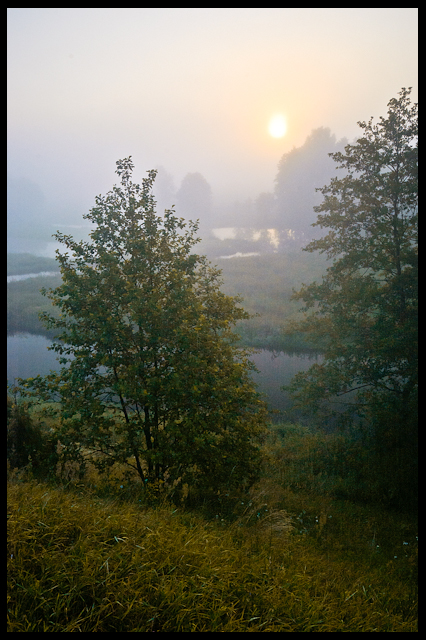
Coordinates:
(28, 356)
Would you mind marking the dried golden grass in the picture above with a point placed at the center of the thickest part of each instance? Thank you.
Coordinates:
(81, 563)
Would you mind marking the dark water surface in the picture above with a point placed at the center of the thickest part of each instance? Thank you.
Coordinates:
(28, 356)
(277, 369)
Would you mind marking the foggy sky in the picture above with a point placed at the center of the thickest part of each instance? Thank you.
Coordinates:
(191, 90)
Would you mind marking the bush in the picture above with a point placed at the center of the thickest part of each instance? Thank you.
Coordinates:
(28, 446)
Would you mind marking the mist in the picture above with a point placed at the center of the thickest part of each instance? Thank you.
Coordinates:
(191, 93)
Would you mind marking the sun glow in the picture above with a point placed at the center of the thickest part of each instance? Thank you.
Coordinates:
(277, 126)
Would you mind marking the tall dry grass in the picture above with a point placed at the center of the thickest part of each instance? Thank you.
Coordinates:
(78, 562)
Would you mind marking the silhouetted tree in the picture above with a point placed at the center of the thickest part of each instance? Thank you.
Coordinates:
(194, 199)
(164, 190)
(365, 309)
(300, 172)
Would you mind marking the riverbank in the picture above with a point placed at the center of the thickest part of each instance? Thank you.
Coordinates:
(27, 263)
(25, 303)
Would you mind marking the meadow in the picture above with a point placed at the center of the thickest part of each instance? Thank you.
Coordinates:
(265, 283)
(301, 552)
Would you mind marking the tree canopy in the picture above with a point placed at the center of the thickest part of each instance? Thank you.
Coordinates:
(152, 376)
(364, 312)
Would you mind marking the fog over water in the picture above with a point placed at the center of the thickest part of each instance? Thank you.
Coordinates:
(236, 109)
(194, 93)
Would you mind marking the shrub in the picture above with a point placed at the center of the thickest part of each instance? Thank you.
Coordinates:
(28, 445)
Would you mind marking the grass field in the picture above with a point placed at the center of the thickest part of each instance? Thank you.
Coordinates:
(265, 282)
(101, 555)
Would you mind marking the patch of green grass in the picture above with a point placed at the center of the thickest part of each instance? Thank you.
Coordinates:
(266, 284)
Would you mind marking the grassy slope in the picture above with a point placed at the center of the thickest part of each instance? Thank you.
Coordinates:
(81, 560)
(24, 300)
(266, 282)
(101, 559)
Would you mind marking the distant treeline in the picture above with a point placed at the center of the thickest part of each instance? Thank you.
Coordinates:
(21, 263)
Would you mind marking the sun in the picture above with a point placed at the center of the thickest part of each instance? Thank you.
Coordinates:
(277, 126)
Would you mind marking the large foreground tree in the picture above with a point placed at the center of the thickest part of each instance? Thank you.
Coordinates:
(364, 312)
(152, 375)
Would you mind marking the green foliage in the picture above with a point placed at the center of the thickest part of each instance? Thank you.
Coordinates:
(156, 379)
(338, 465)
(364, 312)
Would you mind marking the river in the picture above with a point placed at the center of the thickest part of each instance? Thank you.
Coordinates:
(28, 356)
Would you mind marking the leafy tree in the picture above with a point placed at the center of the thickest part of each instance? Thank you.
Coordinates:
(152, 374)
(364, 312)
(27, 443)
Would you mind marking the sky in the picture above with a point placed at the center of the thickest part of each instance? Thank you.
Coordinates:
(191, 90)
